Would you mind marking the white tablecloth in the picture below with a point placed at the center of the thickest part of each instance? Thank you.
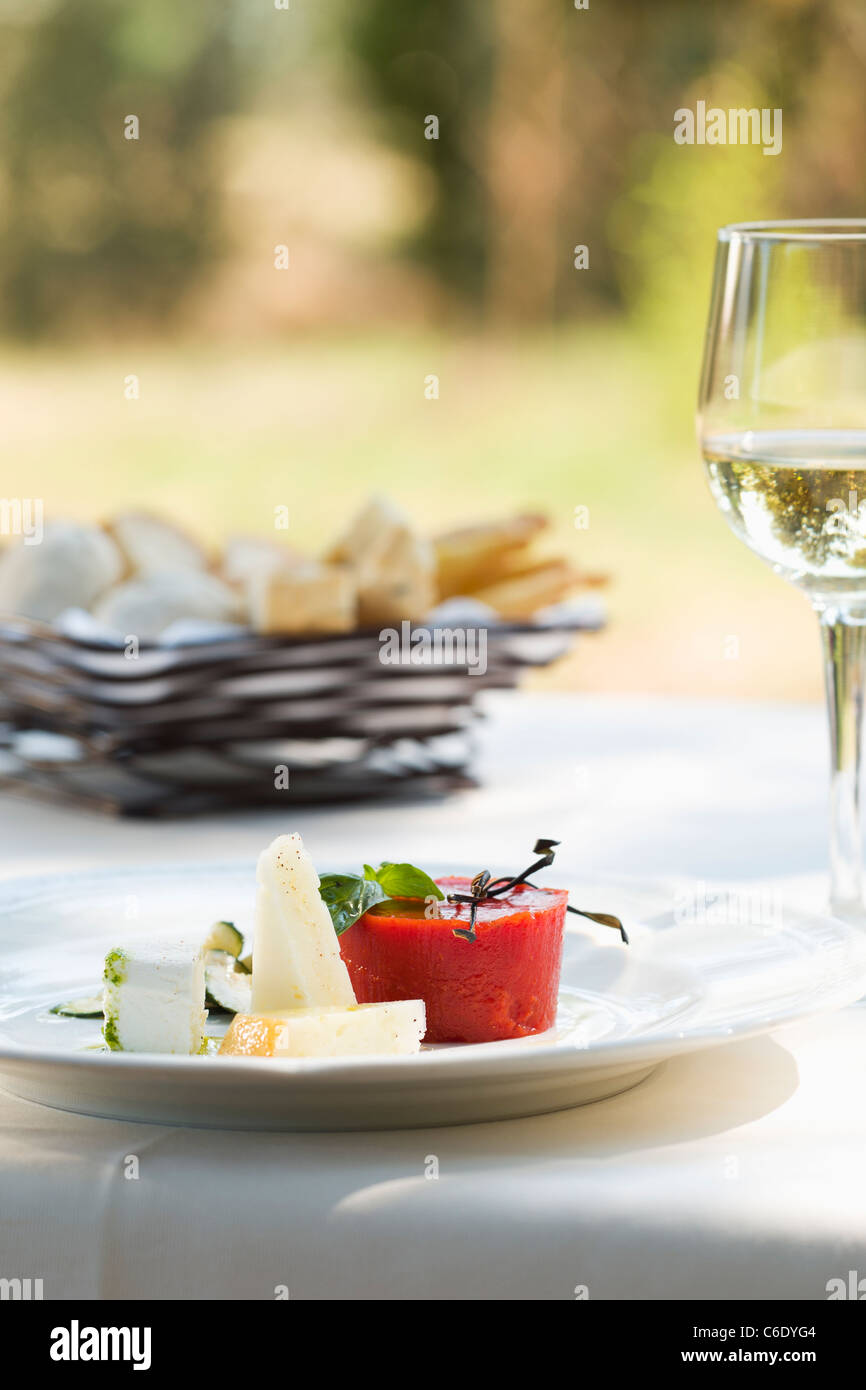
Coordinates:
(733, 1173)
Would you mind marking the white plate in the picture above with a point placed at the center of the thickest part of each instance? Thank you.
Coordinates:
(622, 1010)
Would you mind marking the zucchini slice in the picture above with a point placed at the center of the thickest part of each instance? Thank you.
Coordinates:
(227, 986)
(224, 936)
(80, 1008)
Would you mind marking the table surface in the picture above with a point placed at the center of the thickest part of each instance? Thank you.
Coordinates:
(735, 1173)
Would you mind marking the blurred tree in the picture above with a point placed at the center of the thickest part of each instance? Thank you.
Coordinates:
(525, 162)
(97, 226)
(494, 77)
(434, 58)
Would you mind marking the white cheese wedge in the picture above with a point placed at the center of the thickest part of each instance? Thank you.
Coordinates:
(357, 1031)
(154, 997)
(296, 955)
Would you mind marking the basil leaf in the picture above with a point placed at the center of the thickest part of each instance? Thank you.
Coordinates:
(347, 897)
(403, 881)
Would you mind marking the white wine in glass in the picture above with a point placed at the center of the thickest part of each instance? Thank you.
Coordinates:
(782, 424)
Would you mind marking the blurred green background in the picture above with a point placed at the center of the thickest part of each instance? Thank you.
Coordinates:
(261, 127)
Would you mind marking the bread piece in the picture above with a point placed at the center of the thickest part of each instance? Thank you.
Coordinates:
(151, 545)
(365, 545)
(474, 555)
(144, 607)
(394, 567)
(523, 594)
(405, 587)
(244, 556)
(320, 598)
(70, 568)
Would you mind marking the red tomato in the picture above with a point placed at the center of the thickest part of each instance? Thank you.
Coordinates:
(502, 985)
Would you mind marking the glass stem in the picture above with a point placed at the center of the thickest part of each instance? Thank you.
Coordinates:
(843, 636)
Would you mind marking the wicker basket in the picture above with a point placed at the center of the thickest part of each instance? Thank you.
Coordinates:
(219, 724)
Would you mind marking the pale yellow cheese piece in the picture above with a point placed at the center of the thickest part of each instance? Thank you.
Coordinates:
(361, 1030)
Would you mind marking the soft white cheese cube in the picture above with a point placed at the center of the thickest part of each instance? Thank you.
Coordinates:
(154, 997)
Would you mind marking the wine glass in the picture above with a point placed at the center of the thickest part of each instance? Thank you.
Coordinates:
(782, 426)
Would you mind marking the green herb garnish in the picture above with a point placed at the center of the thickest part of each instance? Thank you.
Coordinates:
(110, 1033)
(115, 967)
(348, 896)
(403, 881)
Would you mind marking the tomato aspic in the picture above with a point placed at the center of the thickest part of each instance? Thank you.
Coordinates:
(502, 984)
